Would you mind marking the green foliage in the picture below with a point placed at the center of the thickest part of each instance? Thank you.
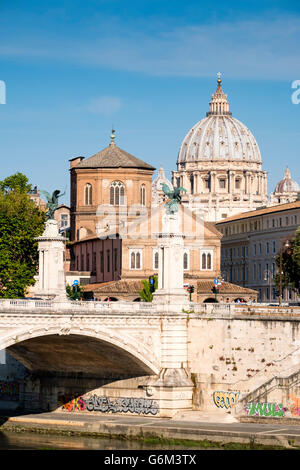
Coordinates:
(146, 294)
(17, 182)
(76, 293)
(290, 264)
(20, 222)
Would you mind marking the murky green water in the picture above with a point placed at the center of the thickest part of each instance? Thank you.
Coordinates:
(31, 441)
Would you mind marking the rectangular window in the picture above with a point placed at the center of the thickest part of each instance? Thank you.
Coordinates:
(101, 262)
(108, 260)
(267, 248)
(94, 262)
(259, 272)
(155, 260)
(274, 246)
(254, 272)
(115, 261)
(286, 221)
(63, 220)
(222, 183)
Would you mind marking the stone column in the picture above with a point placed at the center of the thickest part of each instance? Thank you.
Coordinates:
(170, 274)
(51, 282)
(173, 387)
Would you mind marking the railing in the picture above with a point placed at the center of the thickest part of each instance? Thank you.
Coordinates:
(212, 309)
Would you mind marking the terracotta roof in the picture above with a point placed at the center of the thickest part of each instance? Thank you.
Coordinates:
(263, 211)
(133, 287)
(113, 157)
(116, 287)
(204, 287)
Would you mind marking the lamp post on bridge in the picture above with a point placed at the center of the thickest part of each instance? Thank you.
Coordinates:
(284, 245)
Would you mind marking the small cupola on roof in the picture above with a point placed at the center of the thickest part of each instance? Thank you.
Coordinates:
(287, 184)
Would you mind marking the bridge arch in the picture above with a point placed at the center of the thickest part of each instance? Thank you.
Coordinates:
(66, 348)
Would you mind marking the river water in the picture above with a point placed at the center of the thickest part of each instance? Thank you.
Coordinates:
(32, 441)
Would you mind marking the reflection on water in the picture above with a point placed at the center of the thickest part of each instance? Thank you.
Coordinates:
(31, 441)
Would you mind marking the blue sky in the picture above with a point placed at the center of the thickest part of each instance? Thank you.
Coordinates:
(73, 69)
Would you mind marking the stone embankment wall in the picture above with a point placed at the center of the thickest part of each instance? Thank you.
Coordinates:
(243, 359)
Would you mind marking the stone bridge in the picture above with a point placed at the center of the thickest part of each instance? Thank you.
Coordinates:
(167, 357)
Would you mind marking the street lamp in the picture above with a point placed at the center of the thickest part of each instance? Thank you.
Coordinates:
(284, 245)
(267, 277)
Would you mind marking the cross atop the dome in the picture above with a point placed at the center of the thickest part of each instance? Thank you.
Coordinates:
(219, 75)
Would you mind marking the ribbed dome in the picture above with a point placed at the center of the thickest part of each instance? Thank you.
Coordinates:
(219, 136)
(287, 184)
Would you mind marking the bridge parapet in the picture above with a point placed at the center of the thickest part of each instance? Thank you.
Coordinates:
(95, 307)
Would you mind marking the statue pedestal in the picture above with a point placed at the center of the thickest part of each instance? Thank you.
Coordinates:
(170, 263)
(51, 279)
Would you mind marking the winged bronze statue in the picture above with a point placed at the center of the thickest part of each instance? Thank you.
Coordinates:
(173, 196)
(52, 202)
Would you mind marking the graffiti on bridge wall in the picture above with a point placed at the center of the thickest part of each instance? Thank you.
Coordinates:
(9, 390)
(225, 399)
(71, 402)
(295, 408)
(106, 405)
(265, 409)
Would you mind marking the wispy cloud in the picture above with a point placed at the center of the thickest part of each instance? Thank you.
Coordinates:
(104, 105)
(256, 49)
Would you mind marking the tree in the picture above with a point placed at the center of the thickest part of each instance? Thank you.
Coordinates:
(17, 182)
(75, 293)
(20, 222)
(290, 264)
(146, 293)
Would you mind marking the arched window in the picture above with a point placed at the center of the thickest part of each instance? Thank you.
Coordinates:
(207, 260)
(138, 260)
(117, 193)
(135, 259)
(143, 195)
(238, 183)
(186, 261)
(132, 260)
(88, 196)
(155, 260)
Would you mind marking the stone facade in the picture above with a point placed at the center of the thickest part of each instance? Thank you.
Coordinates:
(250, 243)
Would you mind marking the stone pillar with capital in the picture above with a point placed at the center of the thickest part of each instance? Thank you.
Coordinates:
(51, 282)
(170, 274)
